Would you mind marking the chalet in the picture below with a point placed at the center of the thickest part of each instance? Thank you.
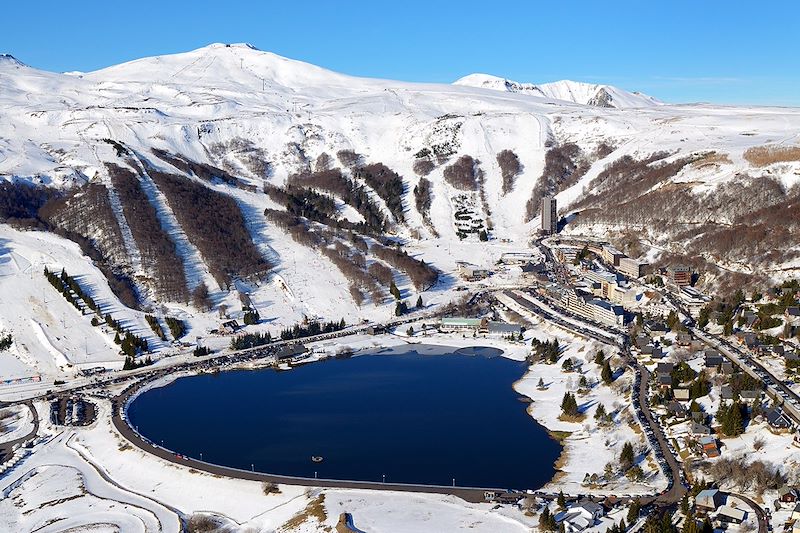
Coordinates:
(376, 329)
(726, 367)
(665, 368)
(771, 349)
(726, 392)
(696, 428)
(677, 410)
(231, 326)
(580, 516)
(709, 500)
(647, 349)
(777, 419)
(791, 356)
(731, 515)
(664, 381)
(713, 359)
(289, 351)
(707, 445)
(750, 318)
(655, 326)
(682, 395)
(472, 272)
(748, 339)
(750, 394)
(642, 341)
(658, 352)
(788, 494)
(699, 417)
(683, 339)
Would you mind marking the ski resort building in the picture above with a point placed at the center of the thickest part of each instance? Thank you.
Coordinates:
(454, 324)
(585, 305)
(549, 215)
(633, 268)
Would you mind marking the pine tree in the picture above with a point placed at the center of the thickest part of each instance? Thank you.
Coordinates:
(541, 383)
(633, 511)
(599, 358)
(562, 503)
(626, 457)
(735, 421)
(569, 405)
(394, 290)
(419, 302)
(606, 374)
(544, 519)
(600, 412)
(483, 235)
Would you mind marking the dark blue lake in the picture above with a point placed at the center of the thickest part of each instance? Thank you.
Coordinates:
(415, 417)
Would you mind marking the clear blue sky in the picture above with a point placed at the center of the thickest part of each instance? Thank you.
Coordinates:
(679, 51)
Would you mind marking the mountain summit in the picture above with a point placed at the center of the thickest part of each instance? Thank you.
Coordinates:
(570, 91)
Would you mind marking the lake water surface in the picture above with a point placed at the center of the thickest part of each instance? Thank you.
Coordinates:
(413, 416)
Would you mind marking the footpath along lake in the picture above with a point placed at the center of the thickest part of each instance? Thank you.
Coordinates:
(416, 414)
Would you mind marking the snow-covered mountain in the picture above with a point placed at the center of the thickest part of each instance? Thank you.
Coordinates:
(566, 90)
(256, 175)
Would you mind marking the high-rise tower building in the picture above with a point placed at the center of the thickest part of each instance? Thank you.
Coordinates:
(549, 215)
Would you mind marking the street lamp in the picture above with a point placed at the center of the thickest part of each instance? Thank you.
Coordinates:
(454, 482)
(201, 456)
(252, 467)
(384, 478)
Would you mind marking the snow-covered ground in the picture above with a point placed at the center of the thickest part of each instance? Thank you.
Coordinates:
(16, 421)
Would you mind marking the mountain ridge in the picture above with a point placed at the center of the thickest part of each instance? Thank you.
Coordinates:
(592, 94)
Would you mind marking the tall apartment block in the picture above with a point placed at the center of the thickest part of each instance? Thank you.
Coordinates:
(549, 215)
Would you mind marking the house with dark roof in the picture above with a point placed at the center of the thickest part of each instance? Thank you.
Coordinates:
(750, 394)
(664, 368)
(726, 392)
(677, 410)
(776, 418)
(713, 358)
(683, 339)
(664, 381)
(696, 428)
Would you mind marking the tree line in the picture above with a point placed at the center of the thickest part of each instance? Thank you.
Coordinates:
(158, 251)
(214, 223)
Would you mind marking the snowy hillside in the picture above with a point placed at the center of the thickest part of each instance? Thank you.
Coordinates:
(566, 90)
(283, 186)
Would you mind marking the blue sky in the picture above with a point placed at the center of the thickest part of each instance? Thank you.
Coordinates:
(679, 51)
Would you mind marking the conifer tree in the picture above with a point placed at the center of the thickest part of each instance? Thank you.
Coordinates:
(606, 374)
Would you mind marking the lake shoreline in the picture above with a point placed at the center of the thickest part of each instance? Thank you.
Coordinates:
(470, 347)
